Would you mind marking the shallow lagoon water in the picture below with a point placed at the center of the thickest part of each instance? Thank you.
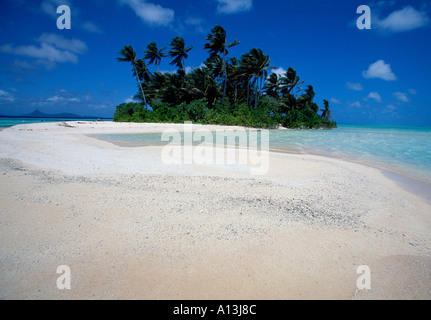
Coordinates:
(405, 150)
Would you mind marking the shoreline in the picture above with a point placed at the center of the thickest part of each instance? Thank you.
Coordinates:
(200, 232)
(410, 183)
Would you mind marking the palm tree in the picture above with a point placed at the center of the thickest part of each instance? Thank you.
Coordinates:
(129, 55)
(305, 101)
(141, 71)
(176, 90)
(215, 64)
(203, 85)
(234, 75)
(255, 64)
(154, 54)
(326, 113)
(272, 86)
(289, 81)
(217, 44)
(156, 85)
(271, 98)
(245, 74)
(178, 52)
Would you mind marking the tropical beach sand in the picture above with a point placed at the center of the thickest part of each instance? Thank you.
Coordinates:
(130, 227)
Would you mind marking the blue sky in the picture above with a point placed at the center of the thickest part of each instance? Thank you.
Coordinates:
(377, 76)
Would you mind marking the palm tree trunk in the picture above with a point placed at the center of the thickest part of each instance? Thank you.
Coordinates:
(256, 95)
(248, 92)
(140, 85)
(225, 77)
(261, 87)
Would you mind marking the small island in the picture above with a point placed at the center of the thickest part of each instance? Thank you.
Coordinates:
(223, 90)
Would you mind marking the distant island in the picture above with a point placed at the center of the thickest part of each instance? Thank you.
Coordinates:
(225, 91)
(39, 114)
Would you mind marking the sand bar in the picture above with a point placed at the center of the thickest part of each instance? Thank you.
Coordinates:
(130, 227)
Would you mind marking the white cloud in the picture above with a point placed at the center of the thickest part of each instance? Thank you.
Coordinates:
(401, 96)
(91, 27)
(376, 96)
(197, 23)
(380, 70)
(187, 69)
(168, 71)
(50, 6)
(412, 91)
(53, 49)
(335, 100)
(233, 6)
(355, 104)
(73, 45)
(150, 13)
(130, 99)
(23, 65)
(354, 86)
(45, 52)
(406, 19)
(279, 71)
(54, 99)
(63, 96)
(6, 96)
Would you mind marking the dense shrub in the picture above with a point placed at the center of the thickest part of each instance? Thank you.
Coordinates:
(266, 115)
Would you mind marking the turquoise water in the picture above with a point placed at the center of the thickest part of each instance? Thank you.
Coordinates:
(405, 150)
(9, 122)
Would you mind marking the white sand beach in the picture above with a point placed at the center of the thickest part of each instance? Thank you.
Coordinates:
(131, 227)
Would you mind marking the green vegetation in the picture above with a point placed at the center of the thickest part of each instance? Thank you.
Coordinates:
(226, 91)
